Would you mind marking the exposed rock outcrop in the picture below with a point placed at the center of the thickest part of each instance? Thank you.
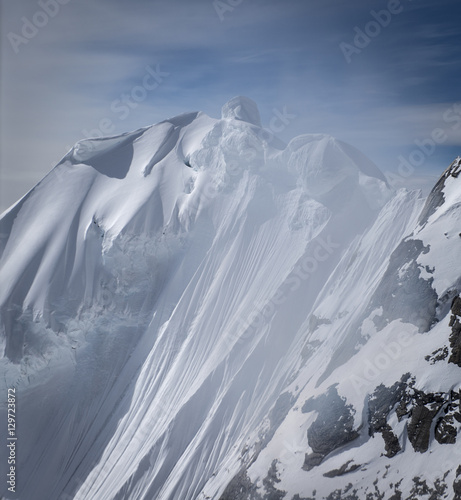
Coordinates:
(446, 428)
(421, 408)
(455, 337)
(344, 469)
(269, 482)
(240, 488)
(420, 424)
(403, 292)
(436, 197)
(380, 404)
(437, 355)
(457, 485)
(333, 427)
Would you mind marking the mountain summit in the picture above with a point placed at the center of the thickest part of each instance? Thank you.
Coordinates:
(242, 108)
(192, 311)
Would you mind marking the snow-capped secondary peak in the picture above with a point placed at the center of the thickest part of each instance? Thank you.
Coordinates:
(192, 312)
(333, 171)
(242, 108)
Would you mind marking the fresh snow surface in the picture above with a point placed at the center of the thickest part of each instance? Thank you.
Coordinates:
(173, 296)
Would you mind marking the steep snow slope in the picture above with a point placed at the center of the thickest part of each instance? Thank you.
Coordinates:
(180, 302)
(387, 372)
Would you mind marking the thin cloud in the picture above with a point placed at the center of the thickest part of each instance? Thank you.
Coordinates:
(64, 79)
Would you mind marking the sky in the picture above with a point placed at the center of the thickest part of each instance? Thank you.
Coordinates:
(381, 75)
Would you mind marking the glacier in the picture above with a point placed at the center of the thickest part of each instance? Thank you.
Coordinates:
(197, 310)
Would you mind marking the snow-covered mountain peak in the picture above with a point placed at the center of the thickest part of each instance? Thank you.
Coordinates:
(242, 108)
(332, 171)
(196, 310)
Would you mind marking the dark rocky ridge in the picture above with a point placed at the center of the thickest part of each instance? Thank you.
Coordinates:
(402, 292)
(419, 408)
(457, 485)
(405, 295)
(380, 404)
(424, 408)
(436, 197)
(241, 488)
(455, 337)
(438, 355)
(349, 466)
(333, 427)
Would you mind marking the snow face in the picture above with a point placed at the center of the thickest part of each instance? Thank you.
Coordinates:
(181, 306)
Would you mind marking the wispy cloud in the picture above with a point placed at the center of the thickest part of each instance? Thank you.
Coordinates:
(65, 78)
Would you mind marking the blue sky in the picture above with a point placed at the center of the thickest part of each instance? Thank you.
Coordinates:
(381, 93)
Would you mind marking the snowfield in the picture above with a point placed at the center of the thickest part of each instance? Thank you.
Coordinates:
(193, 311)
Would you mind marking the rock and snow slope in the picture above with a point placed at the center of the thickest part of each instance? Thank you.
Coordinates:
(196, 310)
